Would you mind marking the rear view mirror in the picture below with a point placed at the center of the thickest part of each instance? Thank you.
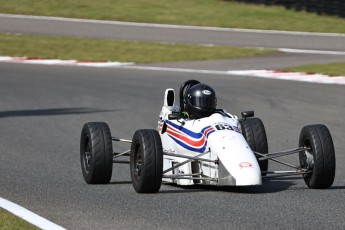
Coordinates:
(246, 114)
(174, 116)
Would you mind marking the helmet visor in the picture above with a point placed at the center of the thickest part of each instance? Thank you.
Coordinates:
(203, 102)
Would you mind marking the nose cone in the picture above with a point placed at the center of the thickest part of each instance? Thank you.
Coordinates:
(238, 160)
(248, 176)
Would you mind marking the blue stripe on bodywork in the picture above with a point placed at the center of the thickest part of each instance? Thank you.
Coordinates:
(184, 130)
(191, 134)
(199, 150)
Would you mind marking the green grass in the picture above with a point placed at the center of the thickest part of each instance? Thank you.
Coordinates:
(9, 221)
(217, 13)
(115, 50)
(334, 69)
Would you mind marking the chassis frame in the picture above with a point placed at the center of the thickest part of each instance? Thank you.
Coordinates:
(298, 170)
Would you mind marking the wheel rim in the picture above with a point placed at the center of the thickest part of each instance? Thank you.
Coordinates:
(308, 157)
(137, 163)
(87, 155)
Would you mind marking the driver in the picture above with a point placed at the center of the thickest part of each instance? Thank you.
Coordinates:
(199, 101)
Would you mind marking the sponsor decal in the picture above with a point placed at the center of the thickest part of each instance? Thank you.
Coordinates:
(225, 126)
(245, 165)
(160, 125)
(169, 150)
(206, 92)
(188, 139)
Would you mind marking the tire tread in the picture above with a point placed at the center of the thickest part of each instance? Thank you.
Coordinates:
(101, 152)
(152, 161)
(323, 153)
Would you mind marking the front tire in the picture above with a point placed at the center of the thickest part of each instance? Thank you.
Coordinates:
(96, 153)
(146, 161)
(320, 159)
(254, 132)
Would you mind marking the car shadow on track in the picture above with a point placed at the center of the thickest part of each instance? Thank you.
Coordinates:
(272, 185)
(50, 112)
(268, 186)
(183, 189)
(120, 182)
(336, 187)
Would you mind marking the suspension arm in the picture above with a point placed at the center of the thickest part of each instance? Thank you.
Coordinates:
(187, 161)
(120, 139)
(269, 156)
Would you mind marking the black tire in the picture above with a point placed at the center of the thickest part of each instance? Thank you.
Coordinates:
(254, 132)
(96, 153)
(146, 161)
(319, 140)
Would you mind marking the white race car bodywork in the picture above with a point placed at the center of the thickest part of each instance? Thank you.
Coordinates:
(224, 155)
(214, 150)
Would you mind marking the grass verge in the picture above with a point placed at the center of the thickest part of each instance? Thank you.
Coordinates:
(9, 221)
(218, 13)
(334, 69)
(115, 50)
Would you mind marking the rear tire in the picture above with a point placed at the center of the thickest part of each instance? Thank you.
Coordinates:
(146, 161)
(322, 162)
(254, 132)
(96, 153)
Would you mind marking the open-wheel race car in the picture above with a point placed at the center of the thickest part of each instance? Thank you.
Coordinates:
(195, 143)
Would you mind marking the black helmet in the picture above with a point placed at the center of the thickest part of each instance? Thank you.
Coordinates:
(200, 100)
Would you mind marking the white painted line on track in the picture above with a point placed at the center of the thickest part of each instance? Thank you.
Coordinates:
(29, 216)
(316, 78)
(292, 76)
(170, 26)
(167, 69)
(287, 50)
(25, 60)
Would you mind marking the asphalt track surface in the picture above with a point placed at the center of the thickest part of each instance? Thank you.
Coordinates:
(42, 111)
(166, 33)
